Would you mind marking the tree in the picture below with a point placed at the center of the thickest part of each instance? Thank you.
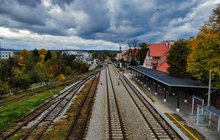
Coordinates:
(35, 53)
(133, 62)
(4, 71)
(143, 52)
(177, 58)
(62, 78)
(214, 20)
(94, 55)
(205, 56)
(48, 56)
(24, 53)
(43, 52)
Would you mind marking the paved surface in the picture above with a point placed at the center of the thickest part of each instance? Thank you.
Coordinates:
(185, 112)
(93, 66)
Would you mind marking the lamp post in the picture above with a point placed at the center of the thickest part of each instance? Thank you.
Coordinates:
(209, 90)
(1, 47)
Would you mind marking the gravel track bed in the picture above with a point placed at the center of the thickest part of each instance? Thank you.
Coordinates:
(97, 123)
(136, 126)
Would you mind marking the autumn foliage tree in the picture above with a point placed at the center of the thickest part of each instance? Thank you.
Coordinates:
(205, 56)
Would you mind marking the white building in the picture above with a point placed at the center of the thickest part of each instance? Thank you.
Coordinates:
(80, 55)
(4, 53)
(70, 52)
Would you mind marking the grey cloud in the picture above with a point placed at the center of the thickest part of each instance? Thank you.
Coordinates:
(111, 20)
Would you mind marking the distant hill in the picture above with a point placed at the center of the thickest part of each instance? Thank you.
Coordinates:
(90, 51)
(4, 49)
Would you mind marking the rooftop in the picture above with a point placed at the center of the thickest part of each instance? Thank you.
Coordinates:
(163, 67)
(157, 50)
(167, 79)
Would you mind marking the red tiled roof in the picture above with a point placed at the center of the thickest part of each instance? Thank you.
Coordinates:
(163, 67)
(157, 50)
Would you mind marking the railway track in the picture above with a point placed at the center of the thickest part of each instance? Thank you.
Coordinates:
(46, 113)
(157, 126)
(78, 127)
(116, 128)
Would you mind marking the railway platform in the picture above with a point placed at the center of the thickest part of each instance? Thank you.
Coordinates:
(185, 112)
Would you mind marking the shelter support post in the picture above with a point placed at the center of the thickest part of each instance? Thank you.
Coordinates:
(148, 83)
(165, 94)
(210, 118)
(145, 80)
(197, 116)
(192, 104)
(219, 124)
(136, 75)
(185, 99)
(156, 88)
(178, 102)
(142, 78)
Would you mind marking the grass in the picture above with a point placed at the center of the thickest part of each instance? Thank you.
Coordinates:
(14, 111)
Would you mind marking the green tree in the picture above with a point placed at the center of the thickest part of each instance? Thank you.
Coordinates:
(177, 59)
(143, 52)
(94, 55)
(48, 56)
(35, 53)
(214, 20)
(4, 71)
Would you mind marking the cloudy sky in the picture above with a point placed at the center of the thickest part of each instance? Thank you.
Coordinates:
(98, 24)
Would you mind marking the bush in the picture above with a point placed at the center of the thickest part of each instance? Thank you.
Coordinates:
(67, 70)
(4, 88)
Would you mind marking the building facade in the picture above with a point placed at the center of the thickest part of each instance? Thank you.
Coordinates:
(5, 54)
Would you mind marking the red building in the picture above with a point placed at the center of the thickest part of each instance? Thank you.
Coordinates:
(156, 56)
(130, 53)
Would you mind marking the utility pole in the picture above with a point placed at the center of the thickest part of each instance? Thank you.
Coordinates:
(119, 60)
